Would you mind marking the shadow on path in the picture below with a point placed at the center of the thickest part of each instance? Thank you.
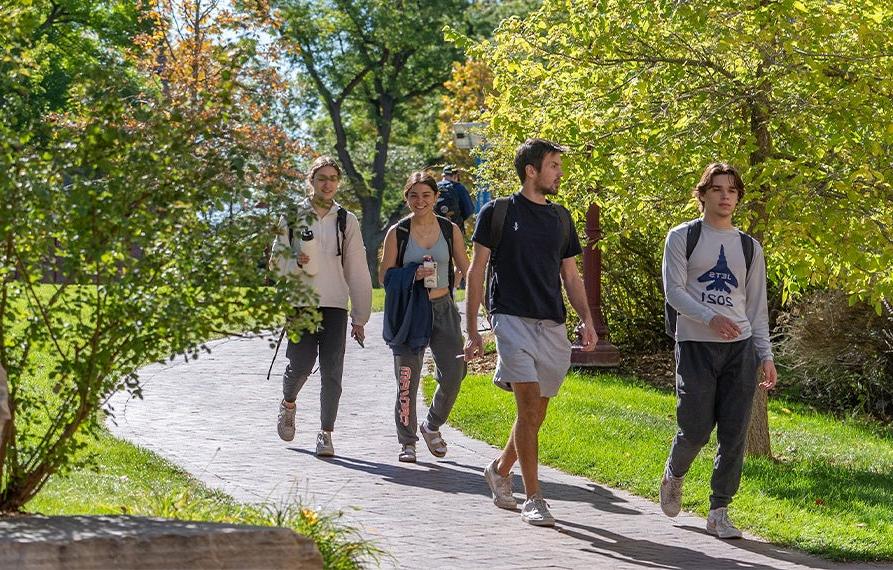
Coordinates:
(651, 554)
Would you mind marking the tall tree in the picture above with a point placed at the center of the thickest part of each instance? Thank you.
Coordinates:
(117, 189)
(372, 58)
(798, 92)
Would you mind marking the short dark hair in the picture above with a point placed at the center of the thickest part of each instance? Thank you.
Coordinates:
(532, 152)
(322, 162)
(420, 177)
(717, 169)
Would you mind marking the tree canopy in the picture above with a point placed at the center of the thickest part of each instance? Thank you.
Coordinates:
(795, 92)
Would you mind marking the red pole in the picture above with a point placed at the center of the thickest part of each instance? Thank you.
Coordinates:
(605, 354)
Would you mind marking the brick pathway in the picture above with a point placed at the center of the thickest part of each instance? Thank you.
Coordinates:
(216, 418)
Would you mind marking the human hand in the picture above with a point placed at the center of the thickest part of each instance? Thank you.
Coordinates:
(768, 374)
(587, 335)
(303, 258)
(474, 346)
(358, 333)
(725, 327)
(423, 272)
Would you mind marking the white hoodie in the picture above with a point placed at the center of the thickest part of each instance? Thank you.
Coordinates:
(335, 282)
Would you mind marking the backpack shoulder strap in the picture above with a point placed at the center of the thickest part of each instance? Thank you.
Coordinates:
(341, 223)
(402, 238)
(291, 220)
(747, 247)
(564, 217)
(446, 228)
(692, 235)
(500, 208)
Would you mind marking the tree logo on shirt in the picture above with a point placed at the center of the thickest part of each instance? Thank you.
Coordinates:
(720, 277)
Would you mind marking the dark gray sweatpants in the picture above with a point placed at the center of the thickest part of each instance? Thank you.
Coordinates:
(715, 383)
(446, 342)
(329, 340)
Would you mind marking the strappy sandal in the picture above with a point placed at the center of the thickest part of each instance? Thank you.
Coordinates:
(407, 454)
(436, 445)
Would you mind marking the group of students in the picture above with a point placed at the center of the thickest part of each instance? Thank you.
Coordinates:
(714, 280)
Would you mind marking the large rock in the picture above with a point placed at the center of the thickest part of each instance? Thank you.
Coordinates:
(136, 543)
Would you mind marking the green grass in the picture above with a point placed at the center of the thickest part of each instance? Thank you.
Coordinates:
(125, 479)
(828, 492)
(120, 478)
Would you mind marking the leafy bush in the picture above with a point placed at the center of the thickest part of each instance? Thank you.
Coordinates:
(840, 356)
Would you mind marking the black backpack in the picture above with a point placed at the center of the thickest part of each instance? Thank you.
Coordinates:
(497, 221)
(340, 222)
(692, 235)
(446, 229)
(447, 204)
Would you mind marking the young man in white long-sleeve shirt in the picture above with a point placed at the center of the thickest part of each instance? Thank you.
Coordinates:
(341, 275)
(715, 279)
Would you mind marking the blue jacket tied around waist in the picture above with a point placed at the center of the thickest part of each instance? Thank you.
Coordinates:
(407, 311)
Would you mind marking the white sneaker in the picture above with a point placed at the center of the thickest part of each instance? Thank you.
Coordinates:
(718, 524)
(671, 493)
(324, 447)
(500, 486)
(536, 512)
(286, 423)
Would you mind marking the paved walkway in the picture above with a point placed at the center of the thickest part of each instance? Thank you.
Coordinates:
(216, 418)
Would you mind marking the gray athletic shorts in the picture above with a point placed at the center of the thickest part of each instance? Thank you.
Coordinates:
(531, 350)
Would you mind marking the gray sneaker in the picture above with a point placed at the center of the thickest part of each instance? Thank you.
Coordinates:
(536, 512)
(286, 424)
(407, 453)
(324, 447)
(500, 486)
(671, 493)
(718, 524)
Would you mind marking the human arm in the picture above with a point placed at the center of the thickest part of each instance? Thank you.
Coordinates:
(576, 294)
(356, 273)
(675, 276)
(474, 292)
(282, 256)
(757, 310)
(459, 254)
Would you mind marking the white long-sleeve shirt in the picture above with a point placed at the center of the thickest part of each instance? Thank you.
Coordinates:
(334, 282)
(715, 281)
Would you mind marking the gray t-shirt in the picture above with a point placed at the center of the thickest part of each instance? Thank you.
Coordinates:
(715, 281)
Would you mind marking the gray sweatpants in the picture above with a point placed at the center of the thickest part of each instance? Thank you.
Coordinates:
(715, 384)
(329, 339)
(446, 342)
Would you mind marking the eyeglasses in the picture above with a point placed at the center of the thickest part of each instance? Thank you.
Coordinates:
(333, 178)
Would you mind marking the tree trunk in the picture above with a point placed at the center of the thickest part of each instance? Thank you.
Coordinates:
(758, 442)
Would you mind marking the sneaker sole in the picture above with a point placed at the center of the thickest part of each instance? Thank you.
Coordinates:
(283, 438)
(406, 459)
(713, 532)
(538, 523)
(506, 506)
(325, 453)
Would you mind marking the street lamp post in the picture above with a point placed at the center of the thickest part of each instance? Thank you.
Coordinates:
(605, 354)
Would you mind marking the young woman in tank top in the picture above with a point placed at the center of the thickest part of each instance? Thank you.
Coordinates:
(426, 240)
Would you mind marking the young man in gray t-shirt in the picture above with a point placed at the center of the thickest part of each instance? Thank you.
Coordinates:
(722, 341)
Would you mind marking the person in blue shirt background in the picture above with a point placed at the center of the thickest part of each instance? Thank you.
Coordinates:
(454, 198)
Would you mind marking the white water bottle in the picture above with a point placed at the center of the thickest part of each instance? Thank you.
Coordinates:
(309, 247)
